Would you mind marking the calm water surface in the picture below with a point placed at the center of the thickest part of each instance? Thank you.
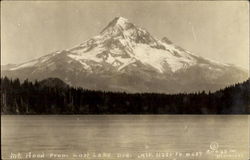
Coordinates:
(133, 136)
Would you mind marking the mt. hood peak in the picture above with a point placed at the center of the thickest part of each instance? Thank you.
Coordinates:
(125, 57)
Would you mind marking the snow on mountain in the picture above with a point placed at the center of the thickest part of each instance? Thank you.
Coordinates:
(126, 57)
(121, 43)
(35, 62)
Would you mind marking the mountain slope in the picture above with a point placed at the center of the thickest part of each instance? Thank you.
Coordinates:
(53, 83)
(125, 57)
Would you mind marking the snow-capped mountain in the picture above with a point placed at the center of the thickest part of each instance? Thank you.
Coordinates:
(125, 57)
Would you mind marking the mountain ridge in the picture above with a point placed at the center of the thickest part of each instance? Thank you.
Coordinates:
(53, 82)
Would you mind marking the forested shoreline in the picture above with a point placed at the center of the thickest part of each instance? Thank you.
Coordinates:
(53, 96)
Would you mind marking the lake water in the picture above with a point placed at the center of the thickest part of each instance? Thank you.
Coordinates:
(125, 137)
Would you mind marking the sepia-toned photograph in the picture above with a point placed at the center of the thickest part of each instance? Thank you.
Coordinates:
(125, 80)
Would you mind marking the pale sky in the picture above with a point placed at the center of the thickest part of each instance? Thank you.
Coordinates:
(216, 30)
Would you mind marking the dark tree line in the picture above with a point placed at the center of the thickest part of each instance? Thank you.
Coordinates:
(47, 98)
